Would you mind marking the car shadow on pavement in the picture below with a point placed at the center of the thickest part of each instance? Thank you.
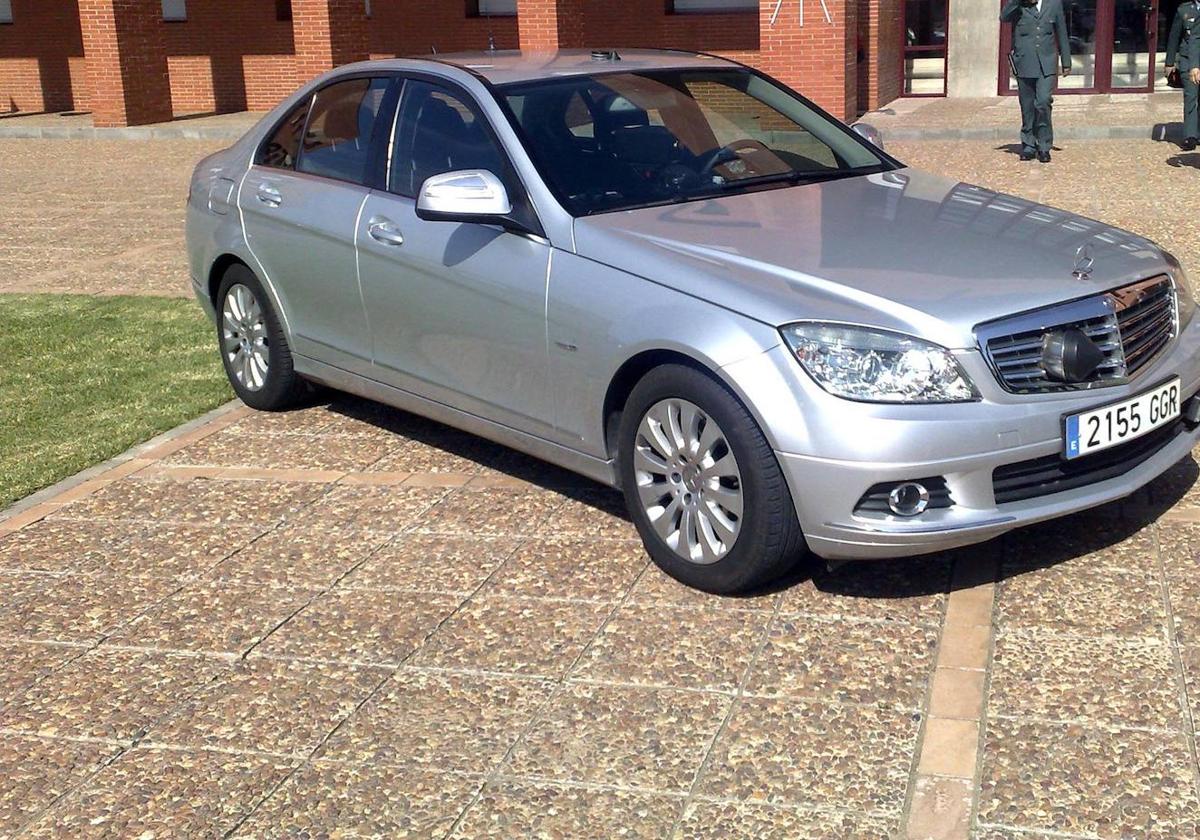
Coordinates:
(1059, 541)
(459, 444)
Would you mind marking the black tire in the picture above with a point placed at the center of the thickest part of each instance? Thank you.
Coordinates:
(769, 541)
(283, 387)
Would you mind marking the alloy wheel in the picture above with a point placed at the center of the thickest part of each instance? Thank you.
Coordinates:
(244, 337)
(688, 480)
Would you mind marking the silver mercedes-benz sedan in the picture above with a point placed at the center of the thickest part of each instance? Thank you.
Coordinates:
(670, 273)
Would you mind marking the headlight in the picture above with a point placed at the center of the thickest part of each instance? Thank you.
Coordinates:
(878, 366)
(1183, 289)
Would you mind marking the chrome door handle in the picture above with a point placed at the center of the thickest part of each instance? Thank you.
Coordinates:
(384, 231)
(269, 196)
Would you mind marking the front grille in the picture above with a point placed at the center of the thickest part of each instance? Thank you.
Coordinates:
(1146, 320)
(1054, 474)
(1131, 326)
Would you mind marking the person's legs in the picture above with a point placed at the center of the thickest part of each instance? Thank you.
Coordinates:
(1026, 92)
(1043, 105)
(1191, 107)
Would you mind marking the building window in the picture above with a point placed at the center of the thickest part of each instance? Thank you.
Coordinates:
(924, 32)
(688, 6)
(174, 9)
(367, 7)
(6, 11)
(283, 10)
(491, 8)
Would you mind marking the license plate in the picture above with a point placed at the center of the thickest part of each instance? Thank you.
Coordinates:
(1100, 428)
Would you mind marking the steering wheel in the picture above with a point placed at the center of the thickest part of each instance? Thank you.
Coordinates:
(730, 152)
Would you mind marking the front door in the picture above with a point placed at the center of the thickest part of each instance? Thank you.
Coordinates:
(457, 311)
(1113, 47)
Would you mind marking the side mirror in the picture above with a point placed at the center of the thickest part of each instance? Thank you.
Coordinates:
(869, 133)
(468, 195)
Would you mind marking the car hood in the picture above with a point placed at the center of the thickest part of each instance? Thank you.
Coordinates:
(901, 250)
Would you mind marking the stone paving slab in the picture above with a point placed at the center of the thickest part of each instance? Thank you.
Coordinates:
(1135, 116)
(357, 654)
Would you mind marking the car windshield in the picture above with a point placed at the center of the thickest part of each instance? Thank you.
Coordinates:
(621, 140)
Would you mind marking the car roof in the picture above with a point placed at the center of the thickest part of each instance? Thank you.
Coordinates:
(504, 66)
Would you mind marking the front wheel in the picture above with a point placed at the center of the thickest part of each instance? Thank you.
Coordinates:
(254, 350)
(703, 486)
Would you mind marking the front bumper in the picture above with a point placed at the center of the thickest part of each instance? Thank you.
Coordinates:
(835, 534)
(832, 451)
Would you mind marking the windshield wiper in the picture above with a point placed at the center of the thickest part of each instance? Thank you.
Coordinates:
(798, 177)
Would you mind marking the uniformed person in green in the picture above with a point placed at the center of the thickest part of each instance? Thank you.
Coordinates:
(1039, 43)
(1184, 44)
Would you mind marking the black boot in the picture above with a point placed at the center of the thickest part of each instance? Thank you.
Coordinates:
(1027, 153)
(1043, 157)
(1189, 145)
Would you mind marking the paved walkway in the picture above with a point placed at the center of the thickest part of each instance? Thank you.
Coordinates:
(78, 126)
(95, 216)
(1127, 116)
(346, 619)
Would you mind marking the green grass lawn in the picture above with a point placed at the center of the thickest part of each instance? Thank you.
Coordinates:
(83, 378)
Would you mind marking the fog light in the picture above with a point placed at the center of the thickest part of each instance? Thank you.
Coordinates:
(908, 499)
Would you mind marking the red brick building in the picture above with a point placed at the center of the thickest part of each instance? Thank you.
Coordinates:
(140, 61)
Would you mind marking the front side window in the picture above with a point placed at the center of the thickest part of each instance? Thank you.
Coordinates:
(662, 137)
(337, 140)
(283, 146)
(439, 131)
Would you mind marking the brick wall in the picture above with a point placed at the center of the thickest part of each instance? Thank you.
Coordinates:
(234, 54)
(41, 58)
(125, 47)
(328, 33)
(549, 24)
(414, 27)
(817, 58)
(229, 56)
(649, 23)
(879, 74)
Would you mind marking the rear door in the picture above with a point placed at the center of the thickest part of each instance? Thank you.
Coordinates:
(301, 202)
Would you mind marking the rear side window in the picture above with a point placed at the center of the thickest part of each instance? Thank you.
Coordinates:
(337, 141)
(283, 147)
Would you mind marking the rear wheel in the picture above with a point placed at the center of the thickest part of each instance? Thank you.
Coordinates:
(254, 350)
(703, 486)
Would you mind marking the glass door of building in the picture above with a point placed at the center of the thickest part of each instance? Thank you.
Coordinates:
(1114, 47)
(1134, 37)
(924, 49)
